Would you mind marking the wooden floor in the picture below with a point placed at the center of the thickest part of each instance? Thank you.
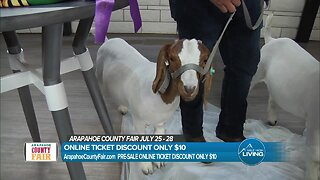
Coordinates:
(14, 132)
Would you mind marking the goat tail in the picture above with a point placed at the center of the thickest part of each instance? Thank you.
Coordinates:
(99, 66)
(267, 29)
(100, 62)
(99, 70)
(258, 77)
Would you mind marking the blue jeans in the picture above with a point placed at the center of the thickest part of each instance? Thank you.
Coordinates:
(240, 51)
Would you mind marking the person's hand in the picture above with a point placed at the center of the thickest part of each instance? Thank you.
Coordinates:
(226, 5)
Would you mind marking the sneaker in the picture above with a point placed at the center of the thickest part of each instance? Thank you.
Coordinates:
(226, 138)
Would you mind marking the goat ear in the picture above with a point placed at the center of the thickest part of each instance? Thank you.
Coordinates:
(161, 67)
(207, 88)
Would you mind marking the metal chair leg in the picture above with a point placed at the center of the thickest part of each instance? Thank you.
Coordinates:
(55, 92)
(79, 49)
(14, 48)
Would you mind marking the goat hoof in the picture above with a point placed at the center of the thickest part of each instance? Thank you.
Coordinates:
(272, 123)
(123, 110)
(159, 164)
(146, 168)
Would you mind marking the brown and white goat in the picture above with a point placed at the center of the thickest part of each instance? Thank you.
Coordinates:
(132, 82)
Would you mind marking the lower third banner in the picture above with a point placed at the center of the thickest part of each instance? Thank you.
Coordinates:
(251, 152)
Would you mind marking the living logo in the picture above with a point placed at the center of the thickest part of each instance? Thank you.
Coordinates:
(251, 151)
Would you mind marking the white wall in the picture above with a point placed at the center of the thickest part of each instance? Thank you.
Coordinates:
(156, 18)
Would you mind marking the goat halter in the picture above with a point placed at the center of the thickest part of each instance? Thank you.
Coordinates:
(177, 73)
(203, 71)
(197, 68)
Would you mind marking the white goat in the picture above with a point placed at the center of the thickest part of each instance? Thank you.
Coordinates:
(292, 77)
(132, 82)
